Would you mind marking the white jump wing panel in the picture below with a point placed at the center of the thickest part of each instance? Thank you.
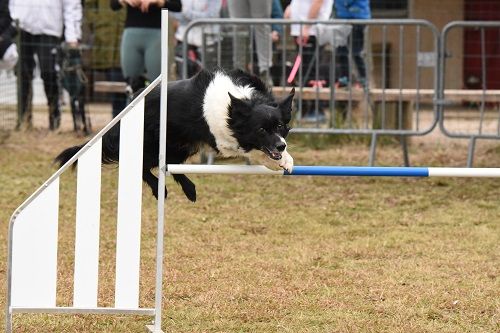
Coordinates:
(34, 251)
(87, 227)
(128, 240)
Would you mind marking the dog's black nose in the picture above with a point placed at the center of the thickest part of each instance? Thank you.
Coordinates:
(281, 146)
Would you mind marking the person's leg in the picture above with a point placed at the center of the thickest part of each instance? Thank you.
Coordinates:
(342, 53)
(179, 62)
(152, 55)
(306, 63)
(132, 54)
(309, 58)
(208, 56)
(25, 91)
(239, 9)
(47, 58)
(118, 100)
(358, 40)
(311, 109)
(262, 9)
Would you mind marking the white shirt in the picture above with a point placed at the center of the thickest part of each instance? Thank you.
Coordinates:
(299, 10)
(49, 17)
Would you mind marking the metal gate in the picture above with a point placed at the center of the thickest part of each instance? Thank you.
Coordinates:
(473, 113)
(396, 97)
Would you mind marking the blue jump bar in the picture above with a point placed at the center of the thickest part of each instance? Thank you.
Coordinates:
(358, 171)
(313, 170)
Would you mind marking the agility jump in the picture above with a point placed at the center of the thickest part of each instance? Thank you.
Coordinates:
(33, 229)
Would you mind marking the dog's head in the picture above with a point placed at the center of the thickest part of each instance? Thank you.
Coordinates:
(261, 124)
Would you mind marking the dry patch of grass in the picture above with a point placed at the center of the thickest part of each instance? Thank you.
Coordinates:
(302, 254)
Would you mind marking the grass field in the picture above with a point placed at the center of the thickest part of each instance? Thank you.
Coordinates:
(267, 254)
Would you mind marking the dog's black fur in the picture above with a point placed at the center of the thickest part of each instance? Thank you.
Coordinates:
(255, 123)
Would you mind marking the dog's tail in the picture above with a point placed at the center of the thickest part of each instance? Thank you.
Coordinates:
(110, 149)
(67, 154)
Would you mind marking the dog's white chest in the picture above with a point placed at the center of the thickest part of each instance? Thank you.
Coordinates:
(215, 111)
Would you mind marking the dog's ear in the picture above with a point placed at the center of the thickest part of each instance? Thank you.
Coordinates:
(286, 106)
(238, 105)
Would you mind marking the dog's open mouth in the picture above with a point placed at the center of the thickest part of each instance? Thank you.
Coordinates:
(275, 155)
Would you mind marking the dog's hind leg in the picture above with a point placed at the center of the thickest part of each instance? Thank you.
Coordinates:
(187, 186)
(177, 154)
(152, 182)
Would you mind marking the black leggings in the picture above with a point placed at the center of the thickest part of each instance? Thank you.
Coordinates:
(45, 47)
(356, 39)
(310, 61)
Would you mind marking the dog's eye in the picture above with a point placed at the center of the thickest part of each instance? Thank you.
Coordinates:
(280, 126)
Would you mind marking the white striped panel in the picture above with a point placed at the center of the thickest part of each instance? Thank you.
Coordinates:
(464, 172)
(88, 204)
(34, 251)
(128, 242)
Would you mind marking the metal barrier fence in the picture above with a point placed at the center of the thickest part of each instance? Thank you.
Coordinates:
(384, 102)
(408, 84)
(484, 101)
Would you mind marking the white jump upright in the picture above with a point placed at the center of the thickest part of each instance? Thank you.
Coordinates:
(33, 229)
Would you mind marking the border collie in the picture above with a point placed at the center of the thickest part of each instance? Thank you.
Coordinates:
(234, 113)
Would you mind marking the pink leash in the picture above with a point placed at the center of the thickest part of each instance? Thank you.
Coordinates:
(295, 68)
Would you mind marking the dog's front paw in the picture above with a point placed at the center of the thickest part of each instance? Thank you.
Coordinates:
(286, 162)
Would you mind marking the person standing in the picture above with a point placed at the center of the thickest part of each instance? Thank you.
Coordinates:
(200, 38)
(352, 9)
(306, 38)
(106, 29)
(42, 23)
(141, 40)
(254, 9)
(276, 33)
(305, 34)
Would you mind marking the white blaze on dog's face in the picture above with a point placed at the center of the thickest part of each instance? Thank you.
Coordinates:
(264, 127)
(286, 160)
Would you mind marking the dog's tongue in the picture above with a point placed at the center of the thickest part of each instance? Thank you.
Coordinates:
(275, 155)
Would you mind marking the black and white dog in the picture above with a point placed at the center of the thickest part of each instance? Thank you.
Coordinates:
(234, 113)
